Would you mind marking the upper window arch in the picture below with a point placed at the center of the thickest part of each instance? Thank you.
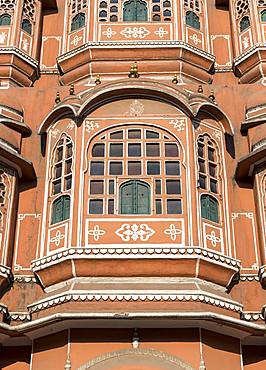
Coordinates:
(263, 16)
(121, 157)
(78, 22)
(5, 20)
(26, 26)
(192, 20)
(244, 23)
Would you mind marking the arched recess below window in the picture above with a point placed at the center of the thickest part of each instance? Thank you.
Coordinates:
(61, 209)
(26, 26)
(5, 20)
(78, 22)
(244, 23)
(135, 197)
(209, 208)
(192, 20)
(135, 10)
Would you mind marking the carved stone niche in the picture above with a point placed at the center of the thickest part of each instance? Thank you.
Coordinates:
(250, 67)
(190, 63)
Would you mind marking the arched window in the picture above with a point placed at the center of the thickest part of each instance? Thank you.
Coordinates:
(209, 208)
(5, 20)
(60, 209)
(135, 10)
(26, 26)
(207, 164)
(192, 20)
(244, 23)
(135, 197)
(78, 22)
(62, 166)
(263, 15)
(121, 157)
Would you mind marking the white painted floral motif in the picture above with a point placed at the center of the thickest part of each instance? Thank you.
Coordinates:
(213, 238)
(216, 135)
(136, 108)
(3, 36)
(178, 124)
(25, 45)
(134, 232)
(245, 42)
(71, 125)
(54, 133)
(135, 32)
(195, 39)
(91, 126)
(76, 40)
(96, 232)
(172, 231)
(161, 32)
(109, 33)
(57, 238)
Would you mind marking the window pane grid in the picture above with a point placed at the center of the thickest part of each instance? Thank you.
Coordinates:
(162, 168)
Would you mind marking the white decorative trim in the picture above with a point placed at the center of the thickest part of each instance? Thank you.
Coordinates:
(6, 272)
(3, 309)
(252, 316)
(19, 53)
(96, 232)
(172, 231)
(25, 279)
(114, 296)
(134, 232)
(19, 316)
(138, 251)
(249, 278)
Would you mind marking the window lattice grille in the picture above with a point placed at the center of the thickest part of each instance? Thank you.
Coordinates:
(262, 3)
(78, 5)
(29, 9)
(112, 10)
(193, 5)
(7, 6)
(242, 7)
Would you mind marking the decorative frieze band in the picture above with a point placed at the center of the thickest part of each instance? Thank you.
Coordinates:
(249, 278)
(3, 309)
(12, 49)
(25, 279)
(19, 316)
(142, 251)
(252, 316)
(6, 272)
(141, 297)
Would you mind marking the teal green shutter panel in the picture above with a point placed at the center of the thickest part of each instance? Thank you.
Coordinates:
(141, 10)
(135, 10)
(61, 209)
(209, 208)
(214, 210)
(142, 198)
(135, 198)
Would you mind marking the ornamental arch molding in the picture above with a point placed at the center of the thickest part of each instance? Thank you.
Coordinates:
(137, 359)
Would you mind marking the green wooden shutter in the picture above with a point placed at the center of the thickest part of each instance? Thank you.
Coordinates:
(135, 198)
(142, 195)
(127, 198)
(5, 20)
(135, 10)
(213, 210)
(61, 209)
(209, 208)
(141, 11)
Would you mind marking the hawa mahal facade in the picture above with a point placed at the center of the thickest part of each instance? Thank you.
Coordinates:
(132, 184)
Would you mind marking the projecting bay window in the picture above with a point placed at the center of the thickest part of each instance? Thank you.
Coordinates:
(135, 10)
(135, 171)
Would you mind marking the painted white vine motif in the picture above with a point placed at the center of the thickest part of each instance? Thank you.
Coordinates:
(134, 232)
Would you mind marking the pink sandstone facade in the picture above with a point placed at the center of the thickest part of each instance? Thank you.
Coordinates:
(132, 184)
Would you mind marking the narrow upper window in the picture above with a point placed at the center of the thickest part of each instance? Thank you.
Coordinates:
(135, 197)
(62, 166)
(78, 22)
(5, 20)
(192, 20)
(26, 26)
(61, 209)
(244, 23)
(209, 208)
(135, 10)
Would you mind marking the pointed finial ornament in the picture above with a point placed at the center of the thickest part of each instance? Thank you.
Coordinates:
(72, 89)
(175, 80)
(133, 73)
(212, 96)
(135, 339)
(98, 80)
(57, 98)
(200, 89)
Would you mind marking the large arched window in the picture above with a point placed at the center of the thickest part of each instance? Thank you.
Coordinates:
(209, 208)
(5, 20)
(78, 22)
(134, 197)
(121, 157)
(192, 20)
(135, 10)
(60, 209)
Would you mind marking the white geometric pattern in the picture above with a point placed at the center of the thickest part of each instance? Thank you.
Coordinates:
(135, 232)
